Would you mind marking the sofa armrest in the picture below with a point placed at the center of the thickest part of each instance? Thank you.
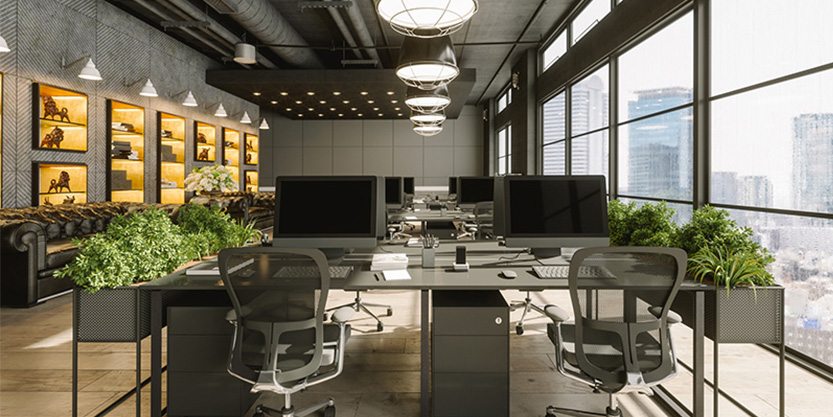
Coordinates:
(23, 249)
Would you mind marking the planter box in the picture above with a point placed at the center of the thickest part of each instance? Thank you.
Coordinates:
(744, 316)
(111, 314)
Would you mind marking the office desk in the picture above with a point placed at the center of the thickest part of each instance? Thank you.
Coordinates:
(429, 216)
(487, 260)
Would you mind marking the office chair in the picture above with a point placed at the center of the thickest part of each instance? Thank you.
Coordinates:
(358, 305)
(620, 339)
(281, 344)
(483, 222)
(528, 306)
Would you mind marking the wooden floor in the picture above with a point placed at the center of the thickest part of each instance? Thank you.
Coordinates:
(381, 375)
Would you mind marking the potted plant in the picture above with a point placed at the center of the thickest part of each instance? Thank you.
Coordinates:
(211, 180)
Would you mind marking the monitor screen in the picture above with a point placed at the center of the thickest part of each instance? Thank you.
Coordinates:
(556, 206)
(408, 184)
(452, 185)
(393, 190)
(326, 212)
(473, 190)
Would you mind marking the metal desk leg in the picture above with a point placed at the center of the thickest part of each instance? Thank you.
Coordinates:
(424, 355)
(699, 353)
(75, 352)
(156, 353)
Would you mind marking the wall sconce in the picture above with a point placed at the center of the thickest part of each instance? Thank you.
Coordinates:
(485, 115)
(148, 90)
(516, 81)
(264, 125)
(220, 112)
(245, 119)
(4, 47)
(89, 72)
(189, 101)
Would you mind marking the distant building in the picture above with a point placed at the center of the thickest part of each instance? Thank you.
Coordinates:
(813, 162)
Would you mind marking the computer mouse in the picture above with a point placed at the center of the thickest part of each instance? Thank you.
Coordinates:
(509, 274)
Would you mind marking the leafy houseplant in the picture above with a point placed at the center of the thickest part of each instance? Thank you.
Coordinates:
(211, 230)
(728, 268)
(646, 225)
(213, 178)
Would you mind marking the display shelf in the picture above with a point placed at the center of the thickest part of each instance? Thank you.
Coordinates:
(1, 139)
(60, 119)
(58, 183)
(252, 148)
(171, 155)
(231, 152)
(205, 141)
(126, 140)
(251, 181)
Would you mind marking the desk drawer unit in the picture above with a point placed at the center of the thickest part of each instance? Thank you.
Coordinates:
(470, 354)
(199, 339)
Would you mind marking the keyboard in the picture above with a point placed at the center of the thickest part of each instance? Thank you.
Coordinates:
(563, 271)
(311, 272)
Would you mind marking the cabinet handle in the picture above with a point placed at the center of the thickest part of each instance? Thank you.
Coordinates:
(498, 320)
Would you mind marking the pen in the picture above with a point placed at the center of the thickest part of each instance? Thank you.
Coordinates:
(376, 276)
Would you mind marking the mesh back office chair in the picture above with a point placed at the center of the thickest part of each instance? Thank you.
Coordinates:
(620, 340)
(483, 225)
(280, 343)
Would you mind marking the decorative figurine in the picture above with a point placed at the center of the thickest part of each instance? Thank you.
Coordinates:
(201, 138)
(249, 146)
(69, 200)
(62, 182)
(50, 109)
(248, 158)
(53, 138)
(203, 156)
(46, 201)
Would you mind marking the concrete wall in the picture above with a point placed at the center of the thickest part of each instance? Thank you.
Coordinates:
(372, 147)
(41, 32)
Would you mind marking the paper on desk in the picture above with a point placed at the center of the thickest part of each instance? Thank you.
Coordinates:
(396, 275)
(410, 217)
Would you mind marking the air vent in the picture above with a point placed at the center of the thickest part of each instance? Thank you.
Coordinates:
(223, 6)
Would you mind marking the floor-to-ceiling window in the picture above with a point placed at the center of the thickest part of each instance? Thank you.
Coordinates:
(554, 132)
(589, 121)
(504, 150)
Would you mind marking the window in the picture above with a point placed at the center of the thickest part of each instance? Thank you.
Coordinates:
(555, 135)
(504, 153)
(555, 50)
(594, 12)
(588, 107)
(505, 99)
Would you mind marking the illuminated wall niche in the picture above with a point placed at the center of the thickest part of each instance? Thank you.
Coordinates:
(231, 152)
(171, 158)
(60, 119)
(126, 180)
(58, 184)
(205, 140)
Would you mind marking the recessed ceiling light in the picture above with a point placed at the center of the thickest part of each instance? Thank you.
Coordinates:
(346, 101)
(284, 93)
(364, 93)
(332, 109)
(341, 115)
(300, 115)
(320, 115)
(353, 108)
(288, 109)
(360, 115)
(397, 108)
(380, 114)
(310, 109)
(370, 101)
(399, 114)
(274, 101)
(297, 101)
(390, 93)
(376, 109)
(323, 102)
(394, 101)
(336, 93)
(256, 93)
(310, 93)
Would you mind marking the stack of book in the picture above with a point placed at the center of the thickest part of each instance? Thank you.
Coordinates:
(389, 261)
(121, 149)
(123, 127)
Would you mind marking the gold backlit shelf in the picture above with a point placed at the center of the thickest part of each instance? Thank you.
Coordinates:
(60, 119)
(126, 180)
(59, 183)
(205, 151)
(251, 181)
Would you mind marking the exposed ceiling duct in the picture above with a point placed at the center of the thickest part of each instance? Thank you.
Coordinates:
(263, 21)
(164, 16)
(359, 25)
(217, 28)
(345, 31)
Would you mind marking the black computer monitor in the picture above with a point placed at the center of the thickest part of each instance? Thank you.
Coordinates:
(329, 212)
(547, 213)
(452, 185)
(408, 185)
(472, 190)
(393, 192)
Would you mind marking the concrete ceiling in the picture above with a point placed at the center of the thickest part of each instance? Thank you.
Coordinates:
(510, 26)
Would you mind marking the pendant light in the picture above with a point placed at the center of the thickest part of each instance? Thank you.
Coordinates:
(221, 111)
(246, 119)
(4, 47)
(427, 130)
(426, 18)
(427, 119)
(427, 64)
(245, 53)
(264, 125)
(427, 101)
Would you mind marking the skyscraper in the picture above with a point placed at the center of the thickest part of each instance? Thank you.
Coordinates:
(813, 162)
(660, 148)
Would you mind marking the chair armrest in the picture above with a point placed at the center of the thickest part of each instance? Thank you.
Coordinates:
(673, 318)
(343, 314)
(556, 313)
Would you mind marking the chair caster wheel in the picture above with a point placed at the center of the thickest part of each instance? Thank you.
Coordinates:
(380, 327)
(519, 330)
(330, 411)
(550, 412)
(390, 312)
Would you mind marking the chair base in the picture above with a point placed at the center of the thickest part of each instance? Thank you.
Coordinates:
(359, 305)
(327, 405)
(527, 305)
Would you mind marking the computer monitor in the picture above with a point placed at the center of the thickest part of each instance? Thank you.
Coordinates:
(546, 213)
(408, 185)
(472, 190)
(393, 192)
(328, 212)
(452, 185)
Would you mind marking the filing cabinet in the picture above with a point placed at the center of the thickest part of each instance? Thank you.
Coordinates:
(470, 354)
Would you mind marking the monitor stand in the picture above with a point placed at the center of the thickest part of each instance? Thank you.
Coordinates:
(334, 253)
(541, 253)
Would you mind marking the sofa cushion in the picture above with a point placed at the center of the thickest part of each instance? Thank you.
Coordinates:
(59, 252)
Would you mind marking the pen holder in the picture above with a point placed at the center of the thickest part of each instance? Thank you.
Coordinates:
(428, 257)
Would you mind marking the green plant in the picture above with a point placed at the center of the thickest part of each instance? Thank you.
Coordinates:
(712, 228)
(729, 268)
(211, 178)
(646, 225)
(211, 230)
(139, 247)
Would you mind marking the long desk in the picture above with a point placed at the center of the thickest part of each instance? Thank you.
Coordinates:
(487, 260)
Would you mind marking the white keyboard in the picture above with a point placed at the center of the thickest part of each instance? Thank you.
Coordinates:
(311, 272)
(563, 271)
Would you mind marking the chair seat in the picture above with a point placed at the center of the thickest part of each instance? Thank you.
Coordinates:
(253, 348)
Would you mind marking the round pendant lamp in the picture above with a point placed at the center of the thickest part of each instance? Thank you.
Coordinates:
(427, 119)
(432, 101)
(427, 64)
(427, 130)
(426, 18)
